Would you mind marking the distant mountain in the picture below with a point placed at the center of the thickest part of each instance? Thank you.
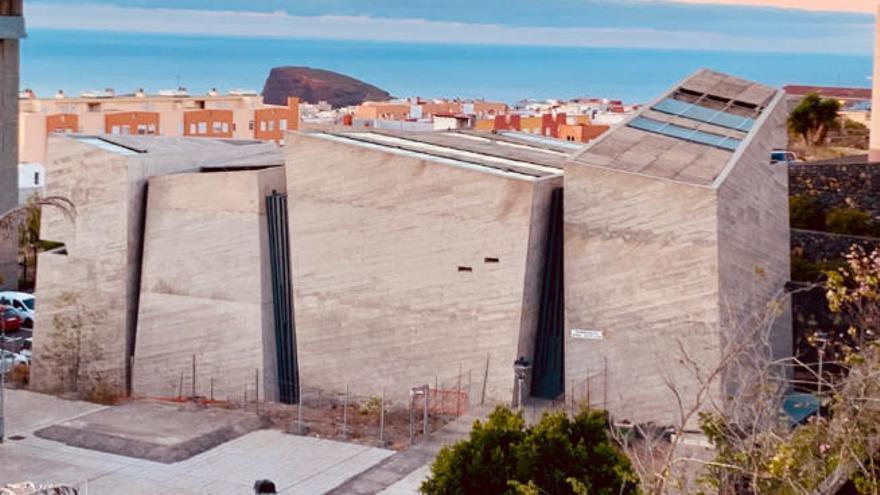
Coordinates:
(315, 85)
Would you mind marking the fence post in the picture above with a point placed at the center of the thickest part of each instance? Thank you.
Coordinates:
(257, 388)
(345, 415)
(180, 387)
(605, 385)
(193, 392)
(427, 405)
(412, 419)
(382, 419)
(458, 394)
(212, 389)
(485, 380)
(299, 406)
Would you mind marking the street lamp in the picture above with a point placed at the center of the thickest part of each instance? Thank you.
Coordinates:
(521, 369)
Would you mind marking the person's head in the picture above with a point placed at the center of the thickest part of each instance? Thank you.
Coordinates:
(262, 487)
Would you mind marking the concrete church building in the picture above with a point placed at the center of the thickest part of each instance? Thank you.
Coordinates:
(378, 260)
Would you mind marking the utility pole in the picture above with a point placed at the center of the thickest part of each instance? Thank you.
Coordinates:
(3, 380)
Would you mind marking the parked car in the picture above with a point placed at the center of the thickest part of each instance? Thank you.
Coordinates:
(11, 320)
(21, 302)
(26, 347)
(783, 156)
(9, 360)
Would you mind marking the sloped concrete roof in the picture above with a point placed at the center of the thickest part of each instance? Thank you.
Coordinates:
(718, 114)
(458, 149)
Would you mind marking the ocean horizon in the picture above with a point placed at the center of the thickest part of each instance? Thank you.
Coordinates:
(78, 61)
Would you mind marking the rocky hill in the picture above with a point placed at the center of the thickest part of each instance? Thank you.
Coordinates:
(315, 85)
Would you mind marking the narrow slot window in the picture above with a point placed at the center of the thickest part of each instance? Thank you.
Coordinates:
(465, 269)
(491, 260)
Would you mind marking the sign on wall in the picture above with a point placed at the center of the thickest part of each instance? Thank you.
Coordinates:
(579, 333)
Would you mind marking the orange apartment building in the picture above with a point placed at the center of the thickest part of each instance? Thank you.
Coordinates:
(418, 108)
(239, 115)
(131, 123)
(575, 128)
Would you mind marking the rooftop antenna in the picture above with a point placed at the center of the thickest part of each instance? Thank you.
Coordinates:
(178, 80)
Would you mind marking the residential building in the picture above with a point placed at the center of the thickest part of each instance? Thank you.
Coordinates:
(237, 115)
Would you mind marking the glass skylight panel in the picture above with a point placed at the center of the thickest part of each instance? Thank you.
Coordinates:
(678, 132)
(703, 114)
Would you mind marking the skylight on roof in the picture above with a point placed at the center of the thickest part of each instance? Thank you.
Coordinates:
(700, 113)
(683, 133)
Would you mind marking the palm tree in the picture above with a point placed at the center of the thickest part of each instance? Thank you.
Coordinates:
(813, 117)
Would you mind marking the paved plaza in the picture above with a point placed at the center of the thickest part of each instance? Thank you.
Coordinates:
(297, 465)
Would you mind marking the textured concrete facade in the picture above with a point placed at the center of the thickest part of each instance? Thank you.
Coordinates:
(673, 246)
(10, 32)
(407, 266)
(100, 264)
(206, 286)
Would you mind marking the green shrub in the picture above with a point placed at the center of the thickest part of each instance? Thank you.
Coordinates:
(849, 221)
(559, 455)
(806, 212)
(804, 270)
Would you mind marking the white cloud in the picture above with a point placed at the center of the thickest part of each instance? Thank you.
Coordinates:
(279, 24)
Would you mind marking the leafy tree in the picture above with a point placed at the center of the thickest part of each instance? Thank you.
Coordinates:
(559, 455)
(813, 117)
(839, 447)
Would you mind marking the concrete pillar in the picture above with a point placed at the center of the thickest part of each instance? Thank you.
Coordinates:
(9, 67)
(874, 154)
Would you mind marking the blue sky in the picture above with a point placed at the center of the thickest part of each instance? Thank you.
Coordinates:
(622, 23)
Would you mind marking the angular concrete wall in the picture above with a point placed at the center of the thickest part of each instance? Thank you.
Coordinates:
(93, 271)
(102, 267)
(641, 266)
(377, 239)
(754, 250)
(206, 286)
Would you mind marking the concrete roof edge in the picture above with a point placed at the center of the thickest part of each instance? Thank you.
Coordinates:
(741, 149)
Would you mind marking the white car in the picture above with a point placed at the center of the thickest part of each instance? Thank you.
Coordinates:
(9, 360)
(21, 302)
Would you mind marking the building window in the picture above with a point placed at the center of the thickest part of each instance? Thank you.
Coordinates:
(491, 260)
(225, 127)
(94, 107)
(36, 178)
(251, 125)
(282, 124)
(271, 125)
(151, 128)
(192, 129)
(217, 127)
(263, 125)
(465, 269)
(203, 128)
(114, 130)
